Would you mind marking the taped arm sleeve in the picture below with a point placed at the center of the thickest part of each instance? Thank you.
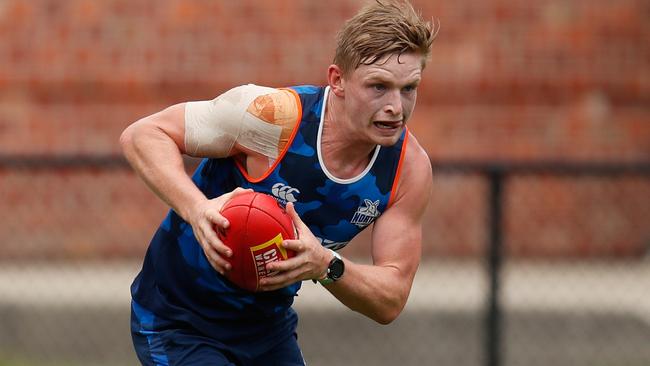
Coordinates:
(213, 127)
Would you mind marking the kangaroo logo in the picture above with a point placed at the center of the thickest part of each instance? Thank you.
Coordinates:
(365, 215)
(285, 193)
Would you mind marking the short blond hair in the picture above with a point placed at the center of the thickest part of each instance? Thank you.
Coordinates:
(380, 29)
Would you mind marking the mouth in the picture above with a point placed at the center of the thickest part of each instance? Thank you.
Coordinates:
(388, 125)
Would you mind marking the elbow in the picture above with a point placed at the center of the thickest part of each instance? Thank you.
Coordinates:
(387, 316)
(383, 314)
(387, 307)
(131, 138)
(387, 312)
(127, 138)
(384, 320)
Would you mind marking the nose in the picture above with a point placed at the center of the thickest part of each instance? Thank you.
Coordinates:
(393, 103)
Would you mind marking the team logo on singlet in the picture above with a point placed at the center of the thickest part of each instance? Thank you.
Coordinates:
(284, 193)
(366, 213)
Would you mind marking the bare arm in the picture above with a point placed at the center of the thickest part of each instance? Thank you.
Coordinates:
(380, 290)
(154, 146)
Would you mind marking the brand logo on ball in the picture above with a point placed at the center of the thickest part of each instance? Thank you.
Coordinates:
(284, 192)
(263, 254)
(365, 215)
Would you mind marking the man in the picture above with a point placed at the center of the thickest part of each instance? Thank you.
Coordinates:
(340, 158)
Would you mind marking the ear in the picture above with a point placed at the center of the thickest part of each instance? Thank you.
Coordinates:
(335, 80)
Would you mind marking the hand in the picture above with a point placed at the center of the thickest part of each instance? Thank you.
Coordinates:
(203, 218)
(311, 259)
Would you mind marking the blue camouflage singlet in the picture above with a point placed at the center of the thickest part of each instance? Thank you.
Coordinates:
(178, 284)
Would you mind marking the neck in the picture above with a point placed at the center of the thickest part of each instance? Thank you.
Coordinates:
(343, 152)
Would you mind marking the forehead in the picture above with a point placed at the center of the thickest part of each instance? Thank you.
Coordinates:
(399, 67)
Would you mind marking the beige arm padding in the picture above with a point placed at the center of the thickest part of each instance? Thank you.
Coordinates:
(213, 127)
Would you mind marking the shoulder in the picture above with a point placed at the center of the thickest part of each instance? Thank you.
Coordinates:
(249, 117)
(280, 107)
(415, 179)
(264, 102)
(415, 156)
(275, 106)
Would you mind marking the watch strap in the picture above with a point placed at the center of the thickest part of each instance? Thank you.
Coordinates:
(327, 279)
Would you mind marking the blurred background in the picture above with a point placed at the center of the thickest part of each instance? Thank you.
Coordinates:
(535, 114)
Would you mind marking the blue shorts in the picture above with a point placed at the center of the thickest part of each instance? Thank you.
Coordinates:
(168, 345)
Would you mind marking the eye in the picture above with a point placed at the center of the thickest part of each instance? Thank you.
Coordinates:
(378, 87)
(409, 88)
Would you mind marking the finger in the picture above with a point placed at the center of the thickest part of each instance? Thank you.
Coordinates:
(216, 218)
(295, 245)
(281, 280)
(216, 261)
(284, 266)
(297, 221)
(211, 238)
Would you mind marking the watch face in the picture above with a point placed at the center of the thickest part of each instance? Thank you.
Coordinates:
(336, 269)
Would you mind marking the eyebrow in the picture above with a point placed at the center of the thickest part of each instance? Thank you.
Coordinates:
(379, 78)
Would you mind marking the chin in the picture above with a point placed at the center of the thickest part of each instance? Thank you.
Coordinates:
(384, 138)
(387, 141)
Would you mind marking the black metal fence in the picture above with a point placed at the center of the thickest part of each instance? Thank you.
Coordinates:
(509, 298)
(498, 173)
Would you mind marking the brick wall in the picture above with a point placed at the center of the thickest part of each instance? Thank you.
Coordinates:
(508, 79)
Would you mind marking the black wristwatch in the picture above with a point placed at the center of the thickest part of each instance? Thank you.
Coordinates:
(334, 270)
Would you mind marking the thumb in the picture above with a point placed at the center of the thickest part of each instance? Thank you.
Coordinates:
(234, 193)
(239, 190)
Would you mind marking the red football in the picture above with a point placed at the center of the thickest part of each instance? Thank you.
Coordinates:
(258, 225)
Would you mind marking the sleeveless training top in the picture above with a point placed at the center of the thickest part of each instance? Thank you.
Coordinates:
(178, 284)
